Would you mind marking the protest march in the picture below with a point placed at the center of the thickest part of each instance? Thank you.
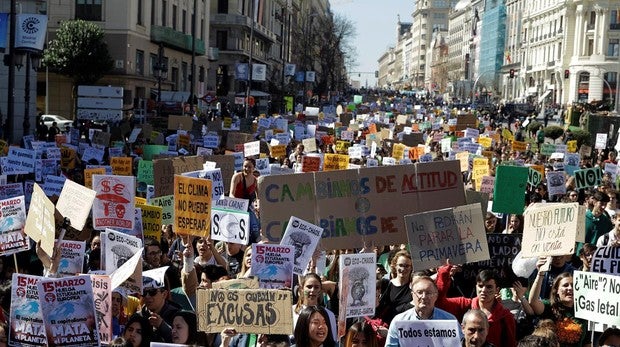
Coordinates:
(383, 221)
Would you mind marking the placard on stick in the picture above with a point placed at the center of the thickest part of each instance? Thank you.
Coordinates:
(192, 205)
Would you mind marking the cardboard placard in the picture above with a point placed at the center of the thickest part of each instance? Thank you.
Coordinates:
(271, 310)
(551, 229)
(234, 137)
(165, 169)
(40, 222)
(192, 206)
(122, 166)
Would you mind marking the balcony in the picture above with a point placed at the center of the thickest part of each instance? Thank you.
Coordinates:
(227, 19)
(551, 63)
(176, 39)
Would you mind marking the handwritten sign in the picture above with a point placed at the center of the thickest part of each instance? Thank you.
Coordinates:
(102, 293)
(335, 162)
(192, 205)
(588, 177)
(601, 141)
(167, 205)
(122, 166)
(271, 310)
(551, 229)
(310, 163)
(40, 222)
(453, 233)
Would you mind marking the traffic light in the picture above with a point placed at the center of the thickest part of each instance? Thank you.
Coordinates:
(512, 73)
(566, 73)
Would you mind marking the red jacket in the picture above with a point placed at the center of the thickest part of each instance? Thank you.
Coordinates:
(502, 325)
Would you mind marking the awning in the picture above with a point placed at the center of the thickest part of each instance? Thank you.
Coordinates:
(545, 94)
(255, 93)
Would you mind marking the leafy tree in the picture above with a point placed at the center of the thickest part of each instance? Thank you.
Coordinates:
(79, 52)
(553, 132)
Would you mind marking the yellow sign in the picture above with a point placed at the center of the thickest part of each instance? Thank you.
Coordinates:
(278, 151)
(192, 206)
(507, 135)
(88, 176)
(139, 201)
(398, 151)
(68, 158)
(227, 122)
(571, 146)
(485, 142)
(4, 148)
(481, 168)
(342, 146)
(519, 146)
(122, 166)
(463, 158)
(335, 162)
(183, 141)
(151, 221)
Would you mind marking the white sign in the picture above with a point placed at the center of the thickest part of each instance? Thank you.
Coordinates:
(357, 284)
(601, 141)
(597, 297)
(435, 333)
(100, 103)
(230, 226)
(30, 31)
(100, 91)
(211, 141)
(304, 237)
(251, 148)
(273, 265)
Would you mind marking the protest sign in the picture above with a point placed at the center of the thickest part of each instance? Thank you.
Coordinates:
(26, 323)
(509, 190)
(251, 149)
(534, 178)
(167, 205)
(571, 146)
(503, 248)
(103, 306)
(238, 283)
(453, 233)
(368, 202)
(596, 297)
(145, 172)
(488, 182)
(601, 141)
(606, 260)
(119, 248)
(265, 311)
(273, 265)
(69, 311)
(463, 158)
(113, 205)
(398, 151)
(304, 237)
(556, 183)
(335, 162)
(235, 137)
(234, 204)
(357, 284)
(165, 169)
(88, 175)
(192, 206)
(550, 229)
(310, 164)
(13, 239)
(75, 202)
(20, 160)
(122, 166)
(486, 142)
(217, 181)
(137, 230)
(72, 257)
(230, 226)
(612, 170)
(519, 146)
(480, 169)
(40, 222)
(278, 151)
(416, 333)
(53, 185)
(588, 177)
(151, 221)
(129, 275)
(547, 149)
(263, 167)
(45, 167)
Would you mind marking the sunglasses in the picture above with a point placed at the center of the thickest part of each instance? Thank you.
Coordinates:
(150, 292)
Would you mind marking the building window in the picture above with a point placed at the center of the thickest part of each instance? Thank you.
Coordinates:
(140, 13)
(184, 21)
(613, 48)
(590, 47)
(89, 10)
(164, 13)
(152, 12)
(174, 17)
(222, 6)
(184, 84)
(152, 62)
(221, 40)
(202, 29)
(175, 78)
(139, 62)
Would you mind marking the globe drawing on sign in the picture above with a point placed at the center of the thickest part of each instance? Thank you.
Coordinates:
(231, 227)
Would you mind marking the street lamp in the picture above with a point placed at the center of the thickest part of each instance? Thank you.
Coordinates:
(160, 71)
(33, 61)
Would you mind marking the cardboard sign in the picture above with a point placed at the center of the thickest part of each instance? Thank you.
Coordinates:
(165, 169)
(230, 226)
(113, 206)
(273, 265)
(122, 166)
(454, 233)
(69, 311)
(88, 175)
(588, 177)
(151, 221)
(519, 146)
(271, 310)
(27, 327)
(551, 229)
(13, 239)
(415, 333)
(235, 137)
(277, 151)
(357, 284)
(310, 164)
(309, 145)
(510, 183)
(192, 206)
(40, 222)
(384, 194)
(335, 162)
(75, 203)
(480, 169)
(596, 297)
(145, 172)
(304, 237)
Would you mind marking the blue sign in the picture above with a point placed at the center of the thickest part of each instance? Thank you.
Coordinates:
(4, 24)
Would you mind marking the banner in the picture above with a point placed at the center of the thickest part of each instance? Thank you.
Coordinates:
(113, 206)
(359, 205)
(552, 229)
(596, 297)
(304, 237)
(453, 233)
(13, 239)
(273, 265)
(26, 323)
(69, 311)
(230, 226)
(264, 311)
(192, 206)
(416, 333)
(259, 72)
(72, 257)
(357, 281)
(30, 31)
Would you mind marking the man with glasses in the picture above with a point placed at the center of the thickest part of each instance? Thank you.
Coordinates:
(502, 325)
(152, 254)
(156, 307)
(424, 292)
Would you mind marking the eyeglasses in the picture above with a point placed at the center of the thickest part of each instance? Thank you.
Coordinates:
(150, 292)
(421, 293)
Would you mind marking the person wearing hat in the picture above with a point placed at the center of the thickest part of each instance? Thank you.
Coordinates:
(156, 307)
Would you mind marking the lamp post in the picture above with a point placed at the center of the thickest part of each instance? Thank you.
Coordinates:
(33, 61)
(160, 70)
(193, 63)
(10, 110)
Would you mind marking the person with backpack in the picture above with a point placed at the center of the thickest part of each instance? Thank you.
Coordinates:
(612, 237)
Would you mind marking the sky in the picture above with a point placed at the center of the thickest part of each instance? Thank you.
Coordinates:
(375, 22)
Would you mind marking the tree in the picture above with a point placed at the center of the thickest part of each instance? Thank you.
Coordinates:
(79, 52)
(334, 49)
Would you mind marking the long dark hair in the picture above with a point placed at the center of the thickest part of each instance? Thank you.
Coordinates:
(302, 329)
(362, 328)
(557, 308)
(146, 329)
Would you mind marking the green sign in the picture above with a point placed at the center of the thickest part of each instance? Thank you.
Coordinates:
(509, 190)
